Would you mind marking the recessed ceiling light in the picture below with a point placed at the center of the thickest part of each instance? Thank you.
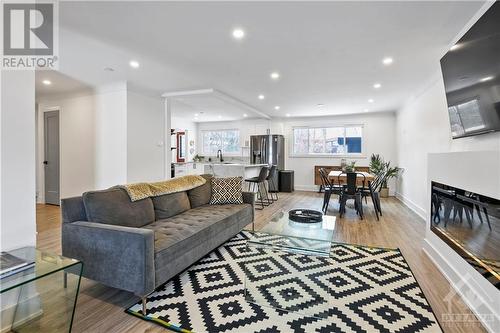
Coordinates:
(371, 100)
(134, 64)
(377, 85)
(108, 69)
(195, 118)
(387, 61)
(488, 78)
(320, 105)
(275, 75)
(219, 116)
(47, 82)
(196, 115)
(366, 110)
(262, 96)
(238, 33)
(277, 107)
(245, 115)
(288, 115)
(455, 47)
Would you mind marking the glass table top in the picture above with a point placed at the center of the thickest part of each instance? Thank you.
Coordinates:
(45, 264)
(308, 238)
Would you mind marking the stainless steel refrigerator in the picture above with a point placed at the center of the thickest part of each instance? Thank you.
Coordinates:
(268, 149)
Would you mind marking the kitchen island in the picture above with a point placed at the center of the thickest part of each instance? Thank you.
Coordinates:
(244, 170)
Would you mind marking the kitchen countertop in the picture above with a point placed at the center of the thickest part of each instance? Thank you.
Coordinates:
(246, 165)
(223, 163)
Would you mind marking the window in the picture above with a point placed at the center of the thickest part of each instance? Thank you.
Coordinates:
(226, 140)
(465, 117)
(327, 140)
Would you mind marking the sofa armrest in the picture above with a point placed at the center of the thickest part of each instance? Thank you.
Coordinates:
(120, 257)
(249, 198)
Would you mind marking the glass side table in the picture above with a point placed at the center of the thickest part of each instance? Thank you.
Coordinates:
(42, 298)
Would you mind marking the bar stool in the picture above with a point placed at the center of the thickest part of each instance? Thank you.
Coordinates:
(261, 186)
(271, 179)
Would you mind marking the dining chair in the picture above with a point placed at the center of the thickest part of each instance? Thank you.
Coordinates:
(375, 199)
(329, 187)
(350, 191)
(478, 204)
(373, 191)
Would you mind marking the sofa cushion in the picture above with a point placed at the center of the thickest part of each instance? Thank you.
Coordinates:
(176, 235)
(113, 206)
(200, 195)
(168, 205)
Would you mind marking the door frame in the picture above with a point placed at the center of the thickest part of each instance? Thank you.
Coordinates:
(41, 150)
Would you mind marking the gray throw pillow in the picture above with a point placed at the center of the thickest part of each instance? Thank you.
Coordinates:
(201, 195)
(113, 206)
(226, 191)
(168, 205)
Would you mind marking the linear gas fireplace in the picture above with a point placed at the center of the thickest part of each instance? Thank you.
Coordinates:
(470, 224)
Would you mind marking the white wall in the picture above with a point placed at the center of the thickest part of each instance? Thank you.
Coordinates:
(17, 159)
(111, 135)
(93, 139)
(108, 136)
(145, 152)
(422, 128)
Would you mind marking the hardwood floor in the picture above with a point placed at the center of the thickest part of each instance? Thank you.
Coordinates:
(101, 309)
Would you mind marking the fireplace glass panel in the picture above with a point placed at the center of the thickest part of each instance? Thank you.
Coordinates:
(470, 224)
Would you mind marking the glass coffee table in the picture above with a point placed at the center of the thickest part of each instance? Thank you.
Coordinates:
(44, 296)
(290, 266)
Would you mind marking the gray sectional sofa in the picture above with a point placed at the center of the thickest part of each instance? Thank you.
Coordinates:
(137, 246)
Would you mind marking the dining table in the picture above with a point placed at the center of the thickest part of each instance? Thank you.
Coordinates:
(341, 176)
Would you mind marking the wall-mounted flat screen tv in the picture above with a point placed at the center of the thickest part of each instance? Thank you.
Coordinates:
(471, 73)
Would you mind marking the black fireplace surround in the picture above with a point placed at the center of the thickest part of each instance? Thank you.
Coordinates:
(470, 224)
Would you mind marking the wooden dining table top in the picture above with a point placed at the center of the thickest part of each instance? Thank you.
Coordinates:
(335, 174)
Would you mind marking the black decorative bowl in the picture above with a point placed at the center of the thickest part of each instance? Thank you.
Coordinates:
(305, 215)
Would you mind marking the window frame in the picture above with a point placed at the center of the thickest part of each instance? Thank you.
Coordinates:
(360, 155)
(238, 153)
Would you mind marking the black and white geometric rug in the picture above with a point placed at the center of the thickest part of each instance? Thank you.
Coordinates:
(357, 289)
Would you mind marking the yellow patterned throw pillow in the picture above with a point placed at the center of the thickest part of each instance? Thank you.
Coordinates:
(226, 191)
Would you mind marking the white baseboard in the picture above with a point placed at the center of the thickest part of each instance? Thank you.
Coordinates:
(308, 188)
(412, 205)
(464, 290)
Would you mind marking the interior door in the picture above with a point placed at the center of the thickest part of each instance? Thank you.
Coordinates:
(51, 162)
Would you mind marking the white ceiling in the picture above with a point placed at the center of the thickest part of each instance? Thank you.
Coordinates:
(326, 52)
(208, 105)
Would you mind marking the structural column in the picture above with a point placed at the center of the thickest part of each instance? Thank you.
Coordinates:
(167, 137)
(17, 157)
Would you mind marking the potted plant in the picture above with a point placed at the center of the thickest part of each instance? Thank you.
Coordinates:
(389, 172)
(198, 158)
(376, 165)
(385, 171)
(351, 167)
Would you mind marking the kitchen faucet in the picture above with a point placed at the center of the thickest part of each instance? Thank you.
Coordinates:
(219, 155)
